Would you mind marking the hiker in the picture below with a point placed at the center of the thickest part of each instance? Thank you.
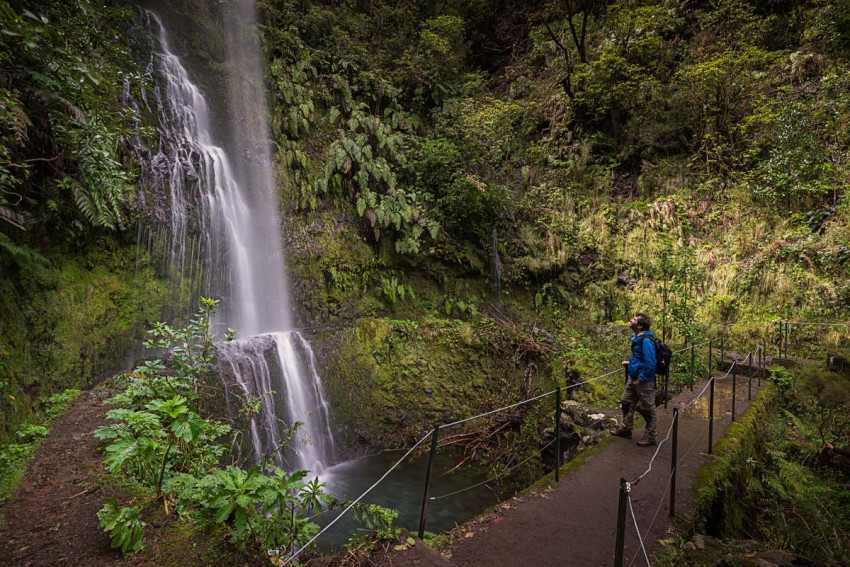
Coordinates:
(640, 387)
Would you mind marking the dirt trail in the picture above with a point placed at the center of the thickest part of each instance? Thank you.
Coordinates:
(574, 522)
(52, 517)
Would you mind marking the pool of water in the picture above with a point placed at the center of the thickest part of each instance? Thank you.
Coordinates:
(403, 490)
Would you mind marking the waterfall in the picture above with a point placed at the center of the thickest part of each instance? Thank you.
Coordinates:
(223, 217)
(259, 363)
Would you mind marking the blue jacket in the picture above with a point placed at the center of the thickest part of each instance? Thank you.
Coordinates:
(642, 362)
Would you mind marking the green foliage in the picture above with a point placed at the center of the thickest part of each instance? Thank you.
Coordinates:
(161, 439)
(124, 525)
(781, 377)
(394, 291)
(433, 64)
(378, 526)
(470, 209)
(61, 128)
(360, 166)
(266, 507)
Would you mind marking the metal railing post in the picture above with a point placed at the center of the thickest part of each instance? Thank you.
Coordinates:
(710, 356)
(557, 434)
(711, 415)
(750, 379)
(424, 517)
(674, 461)
(779, 340)
(722, 350)
(734, 387)
(621, 523)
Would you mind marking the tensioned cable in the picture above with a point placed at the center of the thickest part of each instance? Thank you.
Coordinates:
(491, 412)
(667, 487)
(689, 404)
(549, 393)
(637, 530)
(819, 324)
(657, 449)
(591, 380)
(707, 384)
(491, 479)
(683, 349)
(563, 388)
(513, 468)
(657, 509)
(359, 498)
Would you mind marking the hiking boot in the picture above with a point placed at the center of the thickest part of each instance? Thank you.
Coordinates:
(647, 440)
(621, 432)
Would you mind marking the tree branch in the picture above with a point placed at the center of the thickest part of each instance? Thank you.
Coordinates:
(566, 82)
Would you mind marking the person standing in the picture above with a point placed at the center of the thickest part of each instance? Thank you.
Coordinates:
(639, 394)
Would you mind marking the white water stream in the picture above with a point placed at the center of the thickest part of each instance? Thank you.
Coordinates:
(232, 207)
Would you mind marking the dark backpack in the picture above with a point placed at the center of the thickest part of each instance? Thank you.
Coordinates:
(663, 355)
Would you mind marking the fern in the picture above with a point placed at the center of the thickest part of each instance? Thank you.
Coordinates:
(22, 255)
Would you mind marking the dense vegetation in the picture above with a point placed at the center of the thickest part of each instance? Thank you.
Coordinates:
(558, 165)
(612, 148)
(73, 297)
(778, 479)
(468, 187)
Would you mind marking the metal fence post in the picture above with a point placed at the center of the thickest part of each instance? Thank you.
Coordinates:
(673, 462)
(762, 363)
(424, 517)
(557, 434)
(734, 387)
(711, 416)
(750, 379)
(779, 341)
(621, 523)
(710, 355)
(722, 350)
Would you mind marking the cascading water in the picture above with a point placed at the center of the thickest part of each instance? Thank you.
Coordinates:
(233, 208)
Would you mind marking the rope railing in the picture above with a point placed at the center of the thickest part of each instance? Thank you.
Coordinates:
(359, 498)
(679, 461)
(637, 530)
(817, 324)
(497, 410)
(626, 488)
(689, 347)
(497, 476)
(529, 400)
(558, 390)
(674, 421)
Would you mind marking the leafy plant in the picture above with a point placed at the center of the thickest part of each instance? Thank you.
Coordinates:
(162, 440)
(394, 291)
(378, 522)
(124, 525)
